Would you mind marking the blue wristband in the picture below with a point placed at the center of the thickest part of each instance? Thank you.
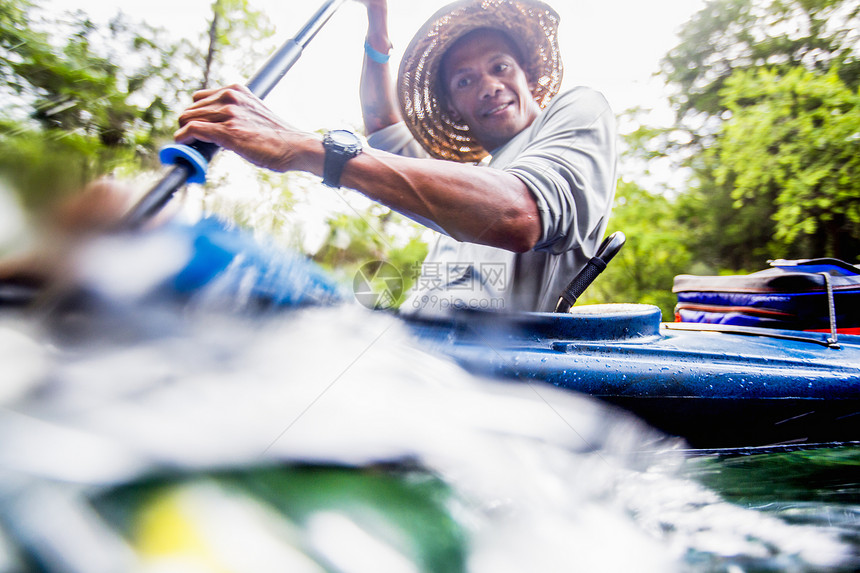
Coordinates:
(374, 55)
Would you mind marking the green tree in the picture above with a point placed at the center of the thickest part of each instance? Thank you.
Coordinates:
(730, 35)
(89, 100)
(721, 234)
(75, 113)
(771, 165)
(792, 146)
(655, 251)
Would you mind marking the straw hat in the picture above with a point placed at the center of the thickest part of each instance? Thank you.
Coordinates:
(532, 25)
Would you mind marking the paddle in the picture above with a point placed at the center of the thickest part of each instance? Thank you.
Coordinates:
(191, 161)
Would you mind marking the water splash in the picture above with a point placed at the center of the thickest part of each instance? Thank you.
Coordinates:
(540, 479)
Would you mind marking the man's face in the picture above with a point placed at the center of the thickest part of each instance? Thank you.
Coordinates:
(488, 89)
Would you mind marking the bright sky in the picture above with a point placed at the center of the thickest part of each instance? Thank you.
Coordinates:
(611, 45)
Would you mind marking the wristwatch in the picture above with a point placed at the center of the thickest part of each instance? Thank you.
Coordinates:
(340, 146)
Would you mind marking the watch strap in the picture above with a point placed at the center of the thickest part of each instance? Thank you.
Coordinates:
(336, 156)
(333, 165)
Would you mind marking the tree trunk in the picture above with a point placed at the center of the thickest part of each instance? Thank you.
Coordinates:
(213, 42)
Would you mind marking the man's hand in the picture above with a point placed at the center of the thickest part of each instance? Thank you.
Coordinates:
(235, 119)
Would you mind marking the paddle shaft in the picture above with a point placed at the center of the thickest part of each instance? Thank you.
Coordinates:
(260, 85)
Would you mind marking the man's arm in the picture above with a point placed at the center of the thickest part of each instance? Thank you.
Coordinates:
(470, 203)
(473, 204)
(378, 104)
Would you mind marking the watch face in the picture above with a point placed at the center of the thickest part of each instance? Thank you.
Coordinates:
(343, 138)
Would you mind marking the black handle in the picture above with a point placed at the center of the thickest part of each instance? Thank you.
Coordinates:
(608, 249)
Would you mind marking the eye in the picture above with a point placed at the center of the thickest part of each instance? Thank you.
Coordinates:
(502, 67)
(462, 82)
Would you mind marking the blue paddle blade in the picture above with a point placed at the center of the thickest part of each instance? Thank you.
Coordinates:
(230, 264)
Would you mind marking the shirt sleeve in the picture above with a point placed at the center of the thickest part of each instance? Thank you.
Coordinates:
(397, 139)
(569, 166)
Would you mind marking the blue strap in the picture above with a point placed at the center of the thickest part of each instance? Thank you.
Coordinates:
(375, 55)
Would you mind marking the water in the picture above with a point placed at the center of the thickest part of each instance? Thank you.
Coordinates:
(144, 435)
(219, 436)
(813, 488)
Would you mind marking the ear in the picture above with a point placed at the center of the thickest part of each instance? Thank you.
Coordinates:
(453, 113)
(444, 103)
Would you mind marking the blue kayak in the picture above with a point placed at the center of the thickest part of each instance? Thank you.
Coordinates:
(717, 386)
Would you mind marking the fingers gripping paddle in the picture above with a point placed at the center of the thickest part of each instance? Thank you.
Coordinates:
(191, 161)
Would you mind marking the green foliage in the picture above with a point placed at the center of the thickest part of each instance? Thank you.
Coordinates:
(655, 251)
(780, 178)
(88, 100)
(794, 139)
(72, 103)
(245, 30)
(721, 235)
(730, 35)
(47, 167)
(767, 120)
(374, 234)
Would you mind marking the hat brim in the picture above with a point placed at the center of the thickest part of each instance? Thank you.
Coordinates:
(532, 25)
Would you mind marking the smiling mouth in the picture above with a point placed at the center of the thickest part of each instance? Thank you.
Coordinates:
(498, 109)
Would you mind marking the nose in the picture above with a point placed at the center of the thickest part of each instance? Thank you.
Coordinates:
(490, 86)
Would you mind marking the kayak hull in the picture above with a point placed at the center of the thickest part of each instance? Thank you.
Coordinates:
(742, 388)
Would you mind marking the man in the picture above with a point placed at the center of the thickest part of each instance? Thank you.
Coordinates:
(476, 80)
